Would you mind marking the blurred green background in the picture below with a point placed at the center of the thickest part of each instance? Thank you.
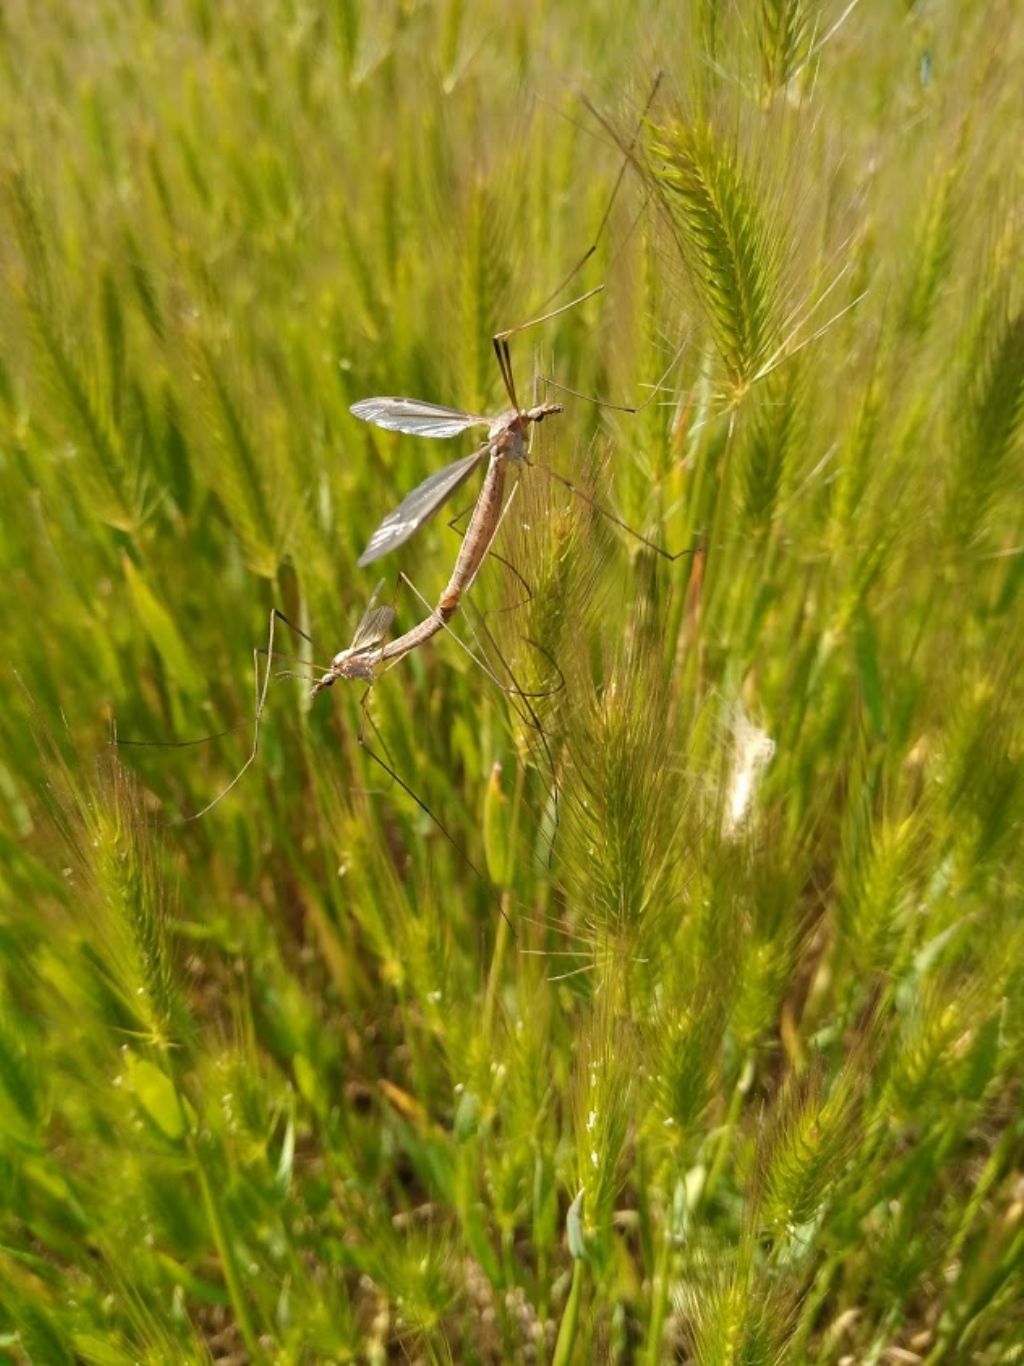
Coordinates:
(687, 1023)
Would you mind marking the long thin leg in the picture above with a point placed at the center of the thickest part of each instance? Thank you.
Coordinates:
(507, 564)
(292, 627)
(628, 150)
(501, 560)
(500, 339)
(462, 591)
(261, 688)
(546, 317)
(531, 718)
(567, 483)
(622, 407)
(548, 692)
(261, 701)
(119, 743)
(364, 715)
(615, 190)
(514, 691)
(630, 531)
(458, 516)
(501, 348)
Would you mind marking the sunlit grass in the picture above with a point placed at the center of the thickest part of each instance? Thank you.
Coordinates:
(738, 1077)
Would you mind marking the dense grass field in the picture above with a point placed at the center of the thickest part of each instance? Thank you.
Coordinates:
(679, 1017)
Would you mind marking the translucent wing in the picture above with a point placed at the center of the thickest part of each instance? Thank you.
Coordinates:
(416, 507)
(416, 418)
(375, 624)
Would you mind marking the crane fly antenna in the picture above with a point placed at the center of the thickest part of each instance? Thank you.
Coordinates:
(500, 343)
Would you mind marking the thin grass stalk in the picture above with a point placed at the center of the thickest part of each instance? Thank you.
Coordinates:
(566, 1342)
(660, 1283)
(226, 1252)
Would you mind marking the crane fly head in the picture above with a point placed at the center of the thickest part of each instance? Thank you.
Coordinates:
(361, 658)
(542, 411)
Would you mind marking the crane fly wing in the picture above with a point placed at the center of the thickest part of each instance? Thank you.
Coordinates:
(375, 623)
(416, 507)
(416, 418)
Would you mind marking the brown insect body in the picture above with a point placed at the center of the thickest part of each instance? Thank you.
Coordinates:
(506, 441)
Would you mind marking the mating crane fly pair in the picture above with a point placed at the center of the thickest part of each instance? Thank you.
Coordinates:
(506, 442)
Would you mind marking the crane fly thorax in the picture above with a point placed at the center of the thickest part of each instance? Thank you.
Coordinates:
(349, 663)
(503, 424)
(508, 432)
(356, 664)
(510, 443)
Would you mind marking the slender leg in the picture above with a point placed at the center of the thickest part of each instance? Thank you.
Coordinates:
(361, 737)
(630, 531)
(464, 589)
(519, 696)
(280, 616)
(493, 554)
(628, 151)
(500, 339)
(626, 160)
(514, 691)
(619, 407)
(261, 687)
(261, 701)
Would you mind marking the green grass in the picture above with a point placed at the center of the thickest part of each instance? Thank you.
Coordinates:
(741, 1082)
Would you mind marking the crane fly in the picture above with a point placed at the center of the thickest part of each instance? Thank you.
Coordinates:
(505, 441)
